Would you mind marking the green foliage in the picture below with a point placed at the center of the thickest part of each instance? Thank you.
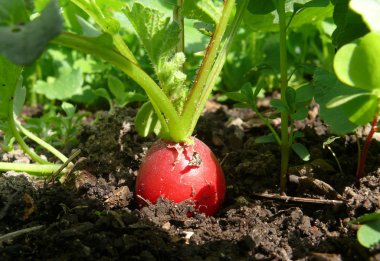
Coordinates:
(22, 41)
(328, 87)
(358, 64)
(369, 232)
(146, 120)
(301, 151)
(68, 83)
(370, 10)
(58, 126)
(202, 10)
(160, 37)
(118, 93)
(10, 81)
(349, 25)
(264, 17)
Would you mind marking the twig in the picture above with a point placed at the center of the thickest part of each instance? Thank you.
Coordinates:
(65, 164)
(17, 233)
(300, 199)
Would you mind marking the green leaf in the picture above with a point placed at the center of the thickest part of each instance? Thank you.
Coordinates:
(68, 108)
(304, 93)
(369, 233)
(270, 138)
(160, 37)
(66, 85)
(265, 17)
(247, 91)
(350, 25)
(279, 105)
(146, 120)
(343, 99)
(290, 96)
(12, 12)
(101, 92)
(300, 114)
(366, 218)
(23, 43)
(19, 97)
(87, 28)
(202, 10)
(298, 7)
(261, 7)
(370, 10)
(326, 88)
(9, 79)
(236, 96)
(362, 109)
(116, 87)
(358, 64)
(329, 140)
(301, 151)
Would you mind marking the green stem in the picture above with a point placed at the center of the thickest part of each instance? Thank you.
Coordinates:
(284, 84)
(178, 18)
(20, 140)
(34, 169)
(95, 13)
(42, 143)
(266, 122)
(209, 69)
(154, 92)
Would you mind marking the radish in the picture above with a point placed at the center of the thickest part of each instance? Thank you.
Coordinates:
(178, 167)
(179, 172)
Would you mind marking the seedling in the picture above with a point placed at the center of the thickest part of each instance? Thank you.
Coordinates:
(357, 65)
(368, 233)
(326, 144)
(260, 18)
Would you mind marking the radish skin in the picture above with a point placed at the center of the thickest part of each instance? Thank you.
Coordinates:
(181, 172)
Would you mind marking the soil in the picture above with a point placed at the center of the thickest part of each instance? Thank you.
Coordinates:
(93, 214)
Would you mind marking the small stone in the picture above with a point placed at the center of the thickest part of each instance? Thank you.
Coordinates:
(166, 226)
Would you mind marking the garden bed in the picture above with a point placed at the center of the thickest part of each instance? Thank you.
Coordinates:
(93, 215)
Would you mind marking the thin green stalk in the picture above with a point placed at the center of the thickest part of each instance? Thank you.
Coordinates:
(34, 169)
(42, 143)
(155, 93)
(178, 18)
(266, 122)
(204, 80)
(284, 84)
(217, 68)
(20, 140)
(93, 11)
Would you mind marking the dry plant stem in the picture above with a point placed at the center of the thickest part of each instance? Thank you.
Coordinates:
(363, 157)
(300, 199)
(17, 233)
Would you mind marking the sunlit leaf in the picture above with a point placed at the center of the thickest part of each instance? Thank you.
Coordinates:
(327, 87)
(301, 151)
(66, 85)
(146, 120)
(370, 10)
(358, 64)
(369, 233)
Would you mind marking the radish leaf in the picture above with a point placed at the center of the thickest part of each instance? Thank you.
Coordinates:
(160, 37)
(23, 43)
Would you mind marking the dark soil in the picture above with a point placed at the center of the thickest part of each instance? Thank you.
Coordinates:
(93, 215)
